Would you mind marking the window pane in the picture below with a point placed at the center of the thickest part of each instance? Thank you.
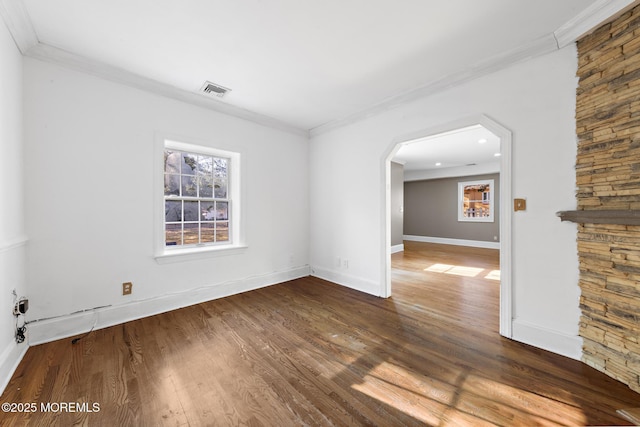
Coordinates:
(205, 165)
(191, 211)
(220, 187)
(207, 232)
(172, 211)
(220, 167)
(207, 211)
(196, 191)
(189, 164)
(190, 234)
(222, 210)
(171, 161)
(173, 234)
(189, 186)
(206, 186)
(222, 231)
(476, 201)
(171, 185)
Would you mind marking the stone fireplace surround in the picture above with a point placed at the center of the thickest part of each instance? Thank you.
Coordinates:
(608, 197)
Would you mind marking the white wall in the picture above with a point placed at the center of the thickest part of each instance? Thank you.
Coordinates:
(12, 233)
(89, 147)
(397, 206)
(536, 101)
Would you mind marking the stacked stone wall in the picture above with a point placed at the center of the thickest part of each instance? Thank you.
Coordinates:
(608, 178)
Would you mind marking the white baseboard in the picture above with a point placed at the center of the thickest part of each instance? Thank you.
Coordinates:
(547, 339)
(457, 242)
(78, 323)
(397, 248)
(353, 282)
(9, 361)
(12, 254)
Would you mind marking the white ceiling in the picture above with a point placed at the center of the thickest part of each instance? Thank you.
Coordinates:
(302, 63)
(474, 145)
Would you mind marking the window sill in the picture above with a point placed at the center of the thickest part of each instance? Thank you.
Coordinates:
(180, 255)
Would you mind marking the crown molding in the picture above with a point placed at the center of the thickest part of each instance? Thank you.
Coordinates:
(595, 15)
(489, 65)
(590, 18)
(17, 19)
(51, 54)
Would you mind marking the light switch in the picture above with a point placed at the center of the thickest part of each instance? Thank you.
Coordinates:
(519, 205)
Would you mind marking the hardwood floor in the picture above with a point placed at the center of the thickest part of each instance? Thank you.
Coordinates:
(308, 352)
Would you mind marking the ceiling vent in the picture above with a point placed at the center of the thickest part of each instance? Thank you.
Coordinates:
(213, 89)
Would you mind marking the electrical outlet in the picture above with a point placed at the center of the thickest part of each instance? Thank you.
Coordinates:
(21, 306)
(127, 288)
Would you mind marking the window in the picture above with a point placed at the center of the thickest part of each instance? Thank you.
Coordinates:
(196, 203)
(475, 201)
(200, 199)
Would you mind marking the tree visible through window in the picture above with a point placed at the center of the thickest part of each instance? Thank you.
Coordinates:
(196, 198)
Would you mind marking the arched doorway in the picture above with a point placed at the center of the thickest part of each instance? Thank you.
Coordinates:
(504, 206)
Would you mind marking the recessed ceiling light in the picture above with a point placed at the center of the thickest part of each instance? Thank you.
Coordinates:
(438, 164)
(497, 155)
(482, 140)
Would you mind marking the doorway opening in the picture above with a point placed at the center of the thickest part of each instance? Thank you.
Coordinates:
(448, 160)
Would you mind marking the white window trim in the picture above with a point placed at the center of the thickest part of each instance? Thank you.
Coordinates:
(461, 185)
(167, 254)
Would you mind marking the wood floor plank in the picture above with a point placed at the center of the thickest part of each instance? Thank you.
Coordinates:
(309, 352)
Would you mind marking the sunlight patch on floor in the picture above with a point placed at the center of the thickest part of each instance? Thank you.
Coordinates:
(474, 400)
(465, 271)
(493, 275)
(458, 270)
(439, 268)
(411, 395)
(461, 270)
(530, 406)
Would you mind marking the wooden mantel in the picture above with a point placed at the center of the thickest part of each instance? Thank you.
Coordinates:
(621, 217)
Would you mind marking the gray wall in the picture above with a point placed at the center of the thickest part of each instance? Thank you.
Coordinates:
(397, 200)
(431, 210)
